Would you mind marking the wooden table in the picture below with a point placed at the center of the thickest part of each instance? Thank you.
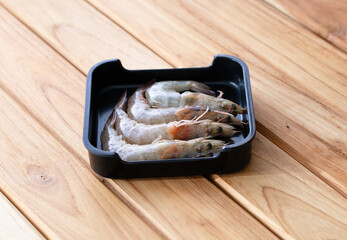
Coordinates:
(296, 184)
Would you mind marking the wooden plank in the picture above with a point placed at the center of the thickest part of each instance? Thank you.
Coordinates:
(13, 224)
(326, 18)
(151, 195)
(298, 79)
(57, 104)
(52, 187)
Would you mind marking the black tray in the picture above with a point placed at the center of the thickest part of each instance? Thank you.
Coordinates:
(107, 80)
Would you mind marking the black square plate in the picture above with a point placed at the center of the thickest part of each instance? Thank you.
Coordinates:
(107, 80)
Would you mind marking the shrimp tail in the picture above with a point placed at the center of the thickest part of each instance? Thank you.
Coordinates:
(109, 126)
(149, 84)
(112, 118)
(202, 88)
(110, 123)
(123, 101)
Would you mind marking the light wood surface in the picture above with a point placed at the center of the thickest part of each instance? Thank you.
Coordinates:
(53, 189)
(193, 209)
(325, 18)
(44, 88)
(51, 186)
(63, 92)
(290, 198)
(64, 26)
(291, 69)
(13, 224)
(150, 201)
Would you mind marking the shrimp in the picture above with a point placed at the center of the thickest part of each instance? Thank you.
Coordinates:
(164, 149)
(140, 111)
(140, 133)
(214, 103)
(166, 94)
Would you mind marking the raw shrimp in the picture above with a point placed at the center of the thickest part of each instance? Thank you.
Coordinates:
(167, 93)
(165, 149)
(214, 103)
(139, 133)
(140, 111)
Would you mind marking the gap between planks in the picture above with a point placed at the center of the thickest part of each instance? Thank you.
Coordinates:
(336, 42)
(42, 39)
(20, 209)
(248, 206)
(77, 65)
(16, 223)
(109, 183)
(326, 177)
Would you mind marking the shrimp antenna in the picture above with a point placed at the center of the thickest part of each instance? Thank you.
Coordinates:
(112, 118)
(206, 111)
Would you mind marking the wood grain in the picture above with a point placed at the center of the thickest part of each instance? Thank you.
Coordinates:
(184, 202)
(327, 18)
(151, 196)
(13, 224)
(298, 79)
(53, 188)
(54, 98)
(63, 34)
(289, 198)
